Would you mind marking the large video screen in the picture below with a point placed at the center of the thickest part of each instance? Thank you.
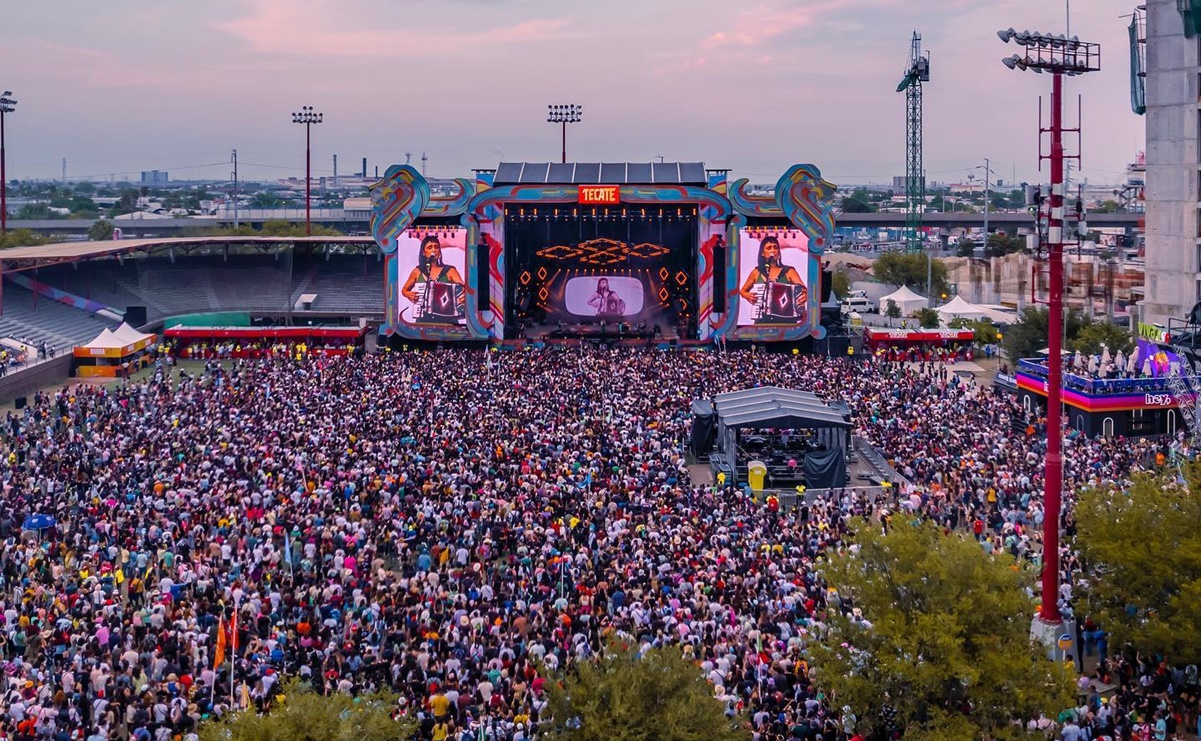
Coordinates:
(771, 278)
(430, 267)
(615, 296)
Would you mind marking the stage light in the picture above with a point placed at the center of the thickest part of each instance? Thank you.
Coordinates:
(1006, 35)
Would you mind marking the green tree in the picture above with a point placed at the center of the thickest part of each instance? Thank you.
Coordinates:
(101, 231)
(653, 696)
(1029, 335)
(1142, 549)
(965, 248)
(853, 205)
(927, 317)
(37, 211)
(1003, 244)
(892, 310)
(909, 269)
(20, 238)
(304, 714)
(1090, 338)
(948, 645)
(840, 283)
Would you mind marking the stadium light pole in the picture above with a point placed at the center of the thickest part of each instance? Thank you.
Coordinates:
(308, 117)
(1060, 56)
(564, 114)
(7, 105)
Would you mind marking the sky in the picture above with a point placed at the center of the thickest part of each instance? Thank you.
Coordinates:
(749, 85)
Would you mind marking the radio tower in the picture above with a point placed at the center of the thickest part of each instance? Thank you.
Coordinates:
(917, 71)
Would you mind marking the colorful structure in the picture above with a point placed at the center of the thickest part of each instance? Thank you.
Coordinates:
(634, 250)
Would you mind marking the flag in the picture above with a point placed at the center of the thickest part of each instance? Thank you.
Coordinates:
(219, 656)
(587, 480)
(233, 631)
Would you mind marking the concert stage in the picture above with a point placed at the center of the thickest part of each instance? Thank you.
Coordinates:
(614, 252)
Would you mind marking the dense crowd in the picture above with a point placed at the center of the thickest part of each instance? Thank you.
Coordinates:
(442, 523)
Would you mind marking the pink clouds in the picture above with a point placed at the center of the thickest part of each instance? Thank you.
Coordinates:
(764, 22)
(320, 29)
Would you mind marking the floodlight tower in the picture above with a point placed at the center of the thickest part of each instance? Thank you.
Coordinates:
(1060, 56)
(917, 71)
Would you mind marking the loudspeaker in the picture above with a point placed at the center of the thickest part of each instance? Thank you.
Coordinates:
(19, 402)
(483, 285)
(719, 278)
(827, 283)
(135, 316)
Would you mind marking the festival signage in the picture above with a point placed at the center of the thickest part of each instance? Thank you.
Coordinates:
(599, 195)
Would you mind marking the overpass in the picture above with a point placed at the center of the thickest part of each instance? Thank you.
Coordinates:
(360, 226)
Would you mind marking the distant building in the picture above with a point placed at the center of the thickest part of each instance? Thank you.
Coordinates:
(898, 183)
(154, 177)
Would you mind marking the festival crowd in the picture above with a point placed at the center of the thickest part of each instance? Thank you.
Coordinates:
(443, 524)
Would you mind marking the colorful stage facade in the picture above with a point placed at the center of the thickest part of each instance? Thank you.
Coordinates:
(612, 250)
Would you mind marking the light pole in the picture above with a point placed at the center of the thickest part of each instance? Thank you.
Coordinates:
(564, 114)
(308, 117)
(987, 172)
(7, 105)
(1059, 56)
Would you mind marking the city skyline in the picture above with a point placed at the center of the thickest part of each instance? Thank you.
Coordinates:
(134, 85)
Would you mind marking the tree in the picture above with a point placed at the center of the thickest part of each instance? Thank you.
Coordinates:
(909, 269)
(101, 231)
(655, 695)
(304, 714)
(1026, 338)
(853, 205)
(947, 640)
(966, 248)
(927, 317)
(20, 238)
(892, 310)
(840, 283)
(1142, 551)
(1100, 332)
(1003, 244)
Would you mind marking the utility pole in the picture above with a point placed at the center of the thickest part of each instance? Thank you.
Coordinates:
(234, 157)
(64, 170)
(424, 160)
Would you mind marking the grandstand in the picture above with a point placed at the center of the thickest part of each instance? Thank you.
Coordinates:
(173, 277)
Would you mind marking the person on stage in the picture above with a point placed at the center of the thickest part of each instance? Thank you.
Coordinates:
(783, 280)
(606, 301)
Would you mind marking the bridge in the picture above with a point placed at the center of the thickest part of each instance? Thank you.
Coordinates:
(360, 226)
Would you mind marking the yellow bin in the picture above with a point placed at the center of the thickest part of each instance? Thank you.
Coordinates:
(756, 471)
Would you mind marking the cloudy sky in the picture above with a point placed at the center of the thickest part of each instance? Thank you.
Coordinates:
(751, 85)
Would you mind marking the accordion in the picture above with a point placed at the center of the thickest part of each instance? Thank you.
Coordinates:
(779, 302)
(439, 302)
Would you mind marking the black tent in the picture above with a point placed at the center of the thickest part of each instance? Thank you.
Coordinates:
(704, 427)
(771, 407)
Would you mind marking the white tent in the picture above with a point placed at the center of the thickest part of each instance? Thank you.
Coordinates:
(103, 341)
(957, 308)
(906, 300)
(127, 335)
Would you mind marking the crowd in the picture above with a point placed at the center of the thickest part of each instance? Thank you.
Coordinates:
(443, 523)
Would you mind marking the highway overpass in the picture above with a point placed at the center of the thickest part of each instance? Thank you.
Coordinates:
(360, 226)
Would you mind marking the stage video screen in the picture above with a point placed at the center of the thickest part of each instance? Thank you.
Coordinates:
(772, 289)
(616, 296)
(430, 268)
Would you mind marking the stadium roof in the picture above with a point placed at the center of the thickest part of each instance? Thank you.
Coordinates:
(23, 258)
(608, 173)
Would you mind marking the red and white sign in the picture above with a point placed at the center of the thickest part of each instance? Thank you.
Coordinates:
(919, 335)
(600, 195)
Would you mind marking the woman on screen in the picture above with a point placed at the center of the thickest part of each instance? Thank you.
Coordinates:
(774, 290)
(432, 271)
(605, 301)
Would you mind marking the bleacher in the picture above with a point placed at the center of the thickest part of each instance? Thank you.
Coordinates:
(48, 321)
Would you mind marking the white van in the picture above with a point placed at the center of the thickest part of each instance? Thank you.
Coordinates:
(861, 304)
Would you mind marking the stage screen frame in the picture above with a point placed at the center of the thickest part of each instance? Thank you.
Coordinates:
(794, 260)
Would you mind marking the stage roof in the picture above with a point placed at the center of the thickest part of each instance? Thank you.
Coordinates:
(771, 406)
(608, 173)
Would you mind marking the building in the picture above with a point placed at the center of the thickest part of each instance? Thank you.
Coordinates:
(1172, 83)
(154, 177)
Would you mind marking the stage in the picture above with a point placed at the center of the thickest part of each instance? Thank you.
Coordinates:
(605, 252)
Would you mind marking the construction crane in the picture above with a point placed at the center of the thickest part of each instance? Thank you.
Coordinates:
(917, 71)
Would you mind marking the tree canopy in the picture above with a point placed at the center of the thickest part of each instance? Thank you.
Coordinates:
(944, 641)
(271, 228)
(1100, 332)
(1142, 550)
(656, 695)
(303, 715)
(840, 283)
(101, 230)
(20, 238)
(909, 269)
(1029, 335)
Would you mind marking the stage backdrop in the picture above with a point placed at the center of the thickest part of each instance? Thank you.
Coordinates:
(773, 281)
(430, 270)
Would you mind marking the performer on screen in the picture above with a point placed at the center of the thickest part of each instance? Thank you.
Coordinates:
(434, 288)
(606, 301)
(778, 281)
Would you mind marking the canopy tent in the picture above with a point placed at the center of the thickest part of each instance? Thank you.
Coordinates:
(906, 300)
(110, 351)
(771, 407)
(957, 308)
